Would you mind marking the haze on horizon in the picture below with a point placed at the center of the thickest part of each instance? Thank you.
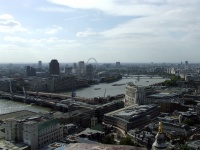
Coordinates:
(108, 30)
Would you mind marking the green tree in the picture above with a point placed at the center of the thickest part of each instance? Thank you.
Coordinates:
(183, 147)
(109, 139)
(172, 81)
(189, 122)
(127, 141)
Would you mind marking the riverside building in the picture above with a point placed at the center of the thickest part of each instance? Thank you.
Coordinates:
(134, 94)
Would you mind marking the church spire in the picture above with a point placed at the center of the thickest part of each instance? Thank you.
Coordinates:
(159, 143)
(160, 127)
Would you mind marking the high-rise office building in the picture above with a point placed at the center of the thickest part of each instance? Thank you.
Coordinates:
(179, 66)
(90, 70)
(68, 70)
(30, 71)
(118, 64)
(186, 63)
(54, 68)
(75, 65)
(81, 67)
(39, 64)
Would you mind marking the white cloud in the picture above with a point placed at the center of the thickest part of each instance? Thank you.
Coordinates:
(158, 21)
(53, 30)
(55, 9)
(6, 17)
(14, 39)
(171, 22)
(152, 28)
(115, 7)
(128, 7)
(41, 41)
(9, 25)
(77, 17)
(86, 33)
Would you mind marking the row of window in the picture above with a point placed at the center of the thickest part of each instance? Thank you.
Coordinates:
(51, 135)
(48, 130)
(47, 140)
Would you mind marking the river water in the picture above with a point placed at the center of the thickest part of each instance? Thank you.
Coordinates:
(7, 106)
(108, 90)
(89, 92)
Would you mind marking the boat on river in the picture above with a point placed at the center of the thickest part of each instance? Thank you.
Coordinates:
(118, 84)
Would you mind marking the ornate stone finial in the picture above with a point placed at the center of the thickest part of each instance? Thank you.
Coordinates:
(160, 127)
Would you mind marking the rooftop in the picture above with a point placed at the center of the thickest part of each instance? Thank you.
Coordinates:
(132, 84)
(16, 114)
(14, 146)
(194, 144)
(131, 111)
(30, 122)
(189, 113)
(163, 95)
(89, 131)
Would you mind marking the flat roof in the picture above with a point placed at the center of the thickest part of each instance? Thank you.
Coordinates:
(30, 122)
(131, 111)
(194, 144)
(163, 95)
(89, 131)
(14, 146)
(16, 114)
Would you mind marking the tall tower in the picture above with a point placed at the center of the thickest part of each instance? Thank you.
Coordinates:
(75, 65)
(39, 65)
(54, 68)
(30, 71)
(81, 67)
(90, 70)
(159, 143)
(186, 64)
(94, 121)
(117, 64)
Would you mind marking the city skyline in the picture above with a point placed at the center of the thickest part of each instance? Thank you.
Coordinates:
(108, 30)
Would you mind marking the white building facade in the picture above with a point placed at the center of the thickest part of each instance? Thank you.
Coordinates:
(134, 94)
(36, 133)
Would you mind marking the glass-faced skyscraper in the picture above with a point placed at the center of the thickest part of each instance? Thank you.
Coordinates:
(54, 68)
(39, 64)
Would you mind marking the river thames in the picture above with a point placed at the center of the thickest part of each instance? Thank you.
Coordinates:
(89, 92)
(109, 90)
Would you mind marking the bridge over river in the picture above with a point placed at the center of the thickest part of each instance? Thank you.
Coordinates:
(50, 100)
(142, 76)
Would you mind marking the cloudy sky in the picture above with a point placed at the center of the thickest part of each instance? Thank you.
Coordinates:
(108, 30)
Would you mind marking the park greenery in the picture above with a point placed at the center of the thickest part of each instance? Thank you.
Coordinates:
(109, 139)
(189, 122)
(127, 141)
(172, 82)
